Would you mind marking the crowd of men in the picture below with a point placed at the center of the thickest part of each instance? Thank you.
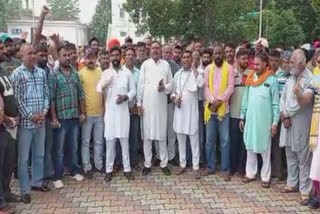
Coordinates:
(216, 108)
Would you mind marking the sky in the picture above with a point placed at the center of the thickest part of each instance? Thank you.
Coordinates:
(87, 9)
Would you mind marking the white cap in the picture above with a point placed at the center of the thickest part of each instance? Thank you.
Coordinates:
(263, 42)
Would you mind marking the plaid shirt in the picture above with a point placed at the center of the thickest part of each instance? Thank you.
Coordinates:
(66, 92)
(32, 94)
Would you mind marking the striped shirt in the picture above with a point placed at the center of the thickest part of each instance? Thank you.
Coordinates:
(66, 92)
(31, 92)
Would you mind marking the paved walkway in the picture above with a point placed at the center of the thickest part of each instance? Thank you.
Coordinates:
(158, 194)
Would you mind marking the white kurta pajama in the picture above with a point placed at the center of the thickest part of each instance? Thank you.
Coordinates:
(154, 103)
(295, 138)
(117, 117)
(186, 118)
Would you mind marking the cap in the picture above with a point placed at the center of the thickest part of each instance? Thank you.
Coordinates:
(6, 38)
(286, 55)
(307, 46)
(263, 42)
(89, 51)
(113, 42)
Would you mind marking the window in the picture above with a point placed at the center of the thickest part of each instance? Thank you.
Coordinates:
(123, 34)
(122, 13)
(138, 34)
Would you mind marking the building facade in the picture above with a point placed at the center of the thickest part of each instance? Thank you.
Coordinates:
(67, 30)
(122, 25)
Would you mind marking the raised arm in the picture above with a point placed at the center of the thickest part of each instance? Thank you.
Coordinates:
(37, 35)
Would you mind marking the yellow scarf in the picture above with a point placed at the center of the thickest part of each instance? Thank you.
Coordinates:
(314, 128)
(316, 71)
(224, 83)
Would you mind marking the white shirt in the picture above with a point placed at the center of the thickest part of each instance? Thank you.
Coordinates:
(117, 117)
(154, 103)
(186, 118)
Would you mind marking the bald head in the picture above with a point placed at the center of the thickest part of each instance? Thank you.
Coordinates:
(298, 62)
(28, 55)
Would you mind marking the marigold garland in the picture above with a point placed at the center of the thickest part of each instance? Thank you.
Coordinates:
(261, 78)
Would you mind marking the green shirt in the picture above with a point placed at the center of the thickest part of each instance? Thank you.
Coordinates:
(66, 93)
(9, 66)
(260, 109)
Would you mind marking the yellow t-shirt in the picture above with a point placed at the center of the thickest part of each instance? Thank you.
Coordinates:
(93, 100)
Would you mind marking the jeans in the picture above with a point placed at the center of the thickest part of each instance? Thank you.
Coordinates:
(67, 133)
(202, 134)
(8, 162)
(213, 127)
(48, 170)
(134, 138)
(30, 138)
(95, 125)
(238, 153)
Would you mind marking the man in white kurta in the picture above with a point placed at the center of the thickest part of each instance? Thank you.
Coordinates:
(296, 118)
(118, 85)
(155, 83)
(186, 112)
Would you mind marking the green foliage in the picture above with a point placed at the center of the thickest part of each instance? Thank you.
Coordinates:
(101, 20)
(9, 9)
(209, 19)
(66, 10)
(283, 28)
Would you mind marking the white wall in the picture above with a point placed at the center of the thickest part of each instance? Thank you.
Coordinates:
(67, 30)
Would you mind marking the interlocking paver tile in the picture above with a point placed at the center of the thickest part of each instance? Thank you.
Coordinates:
(158, 194)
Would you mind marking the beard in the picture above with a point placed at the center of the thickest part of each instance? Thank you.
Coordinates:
(244, 66)
(218, 62)
(205, 63)
(294, 72)
(116, 63)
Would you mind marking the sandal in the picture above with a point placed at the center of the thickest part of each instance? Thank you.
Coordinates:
(265, 184)
(304, 200)
(288, 189)
(248, 180)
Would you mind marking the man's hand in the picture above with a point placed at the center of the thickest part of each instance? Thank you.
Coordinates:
(274, 130)
(297, 89)
(45, 10)
(241, 125)
(82, 117)
(55, 124)
(215, 105)
(287, 123)
(55, 38)
(36, 119)
(140, 110)
(161, 86)
(195, 71)
(121, 99)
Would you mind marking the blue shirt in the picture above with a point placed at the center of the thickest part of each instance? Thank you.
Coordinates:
(31, 92)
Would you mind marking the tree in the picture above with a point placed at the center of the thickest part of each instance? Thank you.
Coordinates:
(316, 7)
(101, 20)
(9, 9)
(207, 19)
(283, 28)
(66, 10)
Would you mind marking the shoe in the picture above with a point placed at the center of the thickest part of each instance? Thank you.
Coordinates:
(26, 199)
(265, 184)
(5, 208)
(99, 170)
(12, 198)
(304, 200)
(108, 177)
(288, 189)
(180, 171)
(58, 184)
(226, 176)
(173, 162)
(166, 171)
(314, 204)
(207, 172)
(88, 174)
(43, 188)
(146, 171)
(196, 174)
(248, 180)
(78, 177)
(156, 162)
(129, 175)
